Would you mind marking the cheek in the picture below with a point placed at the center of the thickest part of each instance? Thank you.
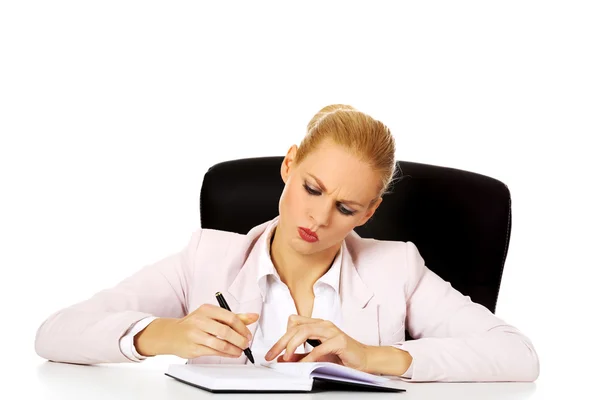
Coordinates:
(292, 201)
(343, 225)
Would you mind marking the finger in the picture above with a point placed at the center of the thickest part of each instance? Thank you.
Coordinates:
(292, 357)
(322, 332)
(224, 332)
(225, 316)
(200, 350)
(208, 340)
(279, 345)
(330, 347)
(248, 318)
(295, 320)
(307, 331)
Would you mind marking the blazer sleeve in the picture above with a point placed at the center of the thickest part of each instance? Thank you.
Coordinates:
(88, 332)
(456, 339)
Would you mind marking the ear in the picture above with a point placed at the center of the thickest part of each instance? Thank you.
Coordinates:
(370, 212)
(288, 163)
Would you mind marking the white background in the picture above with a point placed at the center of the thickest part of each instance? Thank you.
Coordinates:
(111, 112)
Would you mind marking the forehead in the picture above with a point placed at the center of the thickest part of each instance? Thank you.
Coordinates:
(338, 168)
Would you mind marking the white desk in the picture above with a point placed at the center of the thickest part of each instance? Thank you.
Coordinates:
(50, 380)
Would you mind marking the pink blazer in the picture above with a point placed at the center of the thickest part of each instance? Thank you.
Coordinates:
(385, 288)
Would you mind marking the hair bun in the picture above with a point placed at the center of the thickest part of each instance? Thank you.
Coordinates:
(335, 107)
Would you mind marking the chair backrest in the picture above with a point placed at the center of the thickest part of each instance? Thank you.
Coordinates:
(460, 221)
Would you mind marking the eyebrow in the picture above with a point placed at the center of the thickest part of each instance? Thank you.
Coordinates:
(325, 189)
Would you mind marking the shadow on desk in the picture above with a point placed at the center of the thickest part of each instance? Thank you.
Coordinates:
(127, 381)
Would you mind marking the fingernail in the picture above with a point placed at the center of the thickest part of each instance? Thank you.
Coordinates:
(249, 336)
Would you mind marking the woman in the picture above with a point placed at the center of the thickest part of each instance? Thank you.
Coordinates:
(303, 275)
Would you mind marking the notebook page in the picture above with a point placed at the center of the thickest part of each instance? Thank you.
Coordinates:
(228, 376)
(292, 368)
(227, 371)
(325, 369)
(340, 371)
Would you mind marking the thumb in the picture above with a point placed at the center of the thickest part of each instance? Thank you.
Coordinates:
(248, 318)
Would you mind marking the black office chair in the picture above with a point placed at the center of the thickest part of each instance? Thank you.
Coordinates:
(460, 221)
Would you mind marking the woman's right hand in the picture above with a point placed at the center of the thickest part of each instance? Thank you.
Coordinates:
(207, 331)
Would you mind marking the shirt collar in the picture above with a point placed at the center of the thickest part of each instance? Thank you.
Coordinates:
(266, 267)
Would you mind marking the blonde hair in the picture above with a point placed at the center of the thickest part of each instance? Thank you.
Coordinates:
(365, 137)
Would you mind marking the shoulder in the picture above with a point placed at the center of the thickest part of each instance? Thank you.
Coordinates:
(211, 240)
(390, 252)
(381, 261)
(224, 248)
(214, 243)
(216, 237)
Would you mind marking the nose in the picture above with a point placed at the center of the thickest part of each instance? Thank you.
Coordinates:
(321, 214)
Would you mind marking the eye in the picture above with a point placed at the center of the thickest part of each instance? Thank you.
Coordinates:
(311, 191)
(343, 210)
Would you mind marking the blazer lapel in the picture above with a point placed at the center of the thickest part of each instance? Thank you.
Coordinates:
(360, 317)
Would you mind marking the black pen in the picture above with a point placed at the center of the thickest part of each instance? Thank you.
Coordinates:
(224, 305)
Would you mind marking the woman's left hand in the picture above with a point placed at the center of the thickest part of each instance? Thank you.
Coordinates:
(336, 346)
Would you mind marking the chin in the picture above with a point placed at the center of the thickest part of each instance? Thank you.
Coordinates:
(302, 247)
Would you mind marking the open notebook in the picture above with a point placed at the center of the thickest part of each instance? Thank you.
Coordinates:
(276, 377)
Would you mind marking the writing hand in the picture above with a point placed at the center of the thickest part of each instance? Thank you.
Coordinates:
(207, 331)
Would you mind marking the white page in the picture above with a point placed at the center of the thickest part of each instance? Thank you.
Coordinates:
(325, 369)
(227, 371)
(228, 376)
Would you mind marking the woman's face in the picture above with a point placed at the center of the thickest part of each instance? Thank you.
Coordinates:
(328, 193)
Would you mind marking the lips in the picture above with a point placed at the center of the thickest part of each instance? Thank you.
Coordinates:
(309, 234)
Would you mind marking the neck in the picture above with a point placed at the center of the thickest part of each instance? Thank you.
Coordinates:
(299, 272)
